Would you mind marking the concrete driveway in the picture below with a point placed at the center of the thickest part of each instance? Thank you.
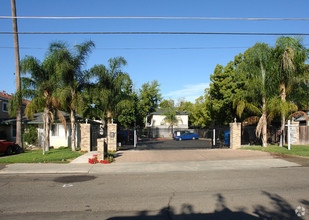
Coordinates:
(168, 150)
(188, 155)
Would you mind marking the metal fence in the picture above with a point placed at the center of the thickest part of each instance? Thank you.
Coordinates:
(206, 133)
(248, 135)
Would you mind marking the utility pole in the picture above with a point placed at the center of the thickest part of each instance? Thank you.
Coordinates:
(18, 82)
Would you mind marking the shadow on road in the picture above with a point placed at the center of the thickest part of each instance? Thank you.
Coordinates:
(280, 209)
(74, 178)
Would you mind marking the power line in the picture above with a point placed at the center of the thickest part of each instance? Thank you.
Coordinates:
(139, 48)
(155, 33)
(143, 48)
(162, 18)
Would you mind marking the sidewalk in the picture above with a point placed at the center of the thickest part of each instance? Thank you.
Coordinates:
(206, 160)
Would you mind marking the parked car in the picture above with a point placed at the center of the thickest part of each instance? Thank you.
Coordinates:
(184, 135)
(8, 147)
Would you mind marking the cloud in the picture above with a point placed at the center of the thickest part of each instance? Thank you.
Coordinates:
(189, 92)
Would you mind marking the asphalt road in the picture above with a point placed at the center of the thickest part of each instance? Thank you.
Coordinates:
(169, 144)
(272, 193)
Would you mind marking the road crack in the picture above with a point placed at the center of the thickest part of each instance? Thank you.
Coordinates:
(169, 209)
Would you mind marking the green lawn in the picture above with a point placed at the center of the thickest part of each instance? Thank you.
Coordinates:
(299, 150)
(60, 155)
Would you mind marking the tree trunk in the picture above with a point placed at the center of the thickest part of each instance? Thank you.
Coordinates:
(264, 128)
(73, 131)
(19, 140)
(46, 130)
(109, 117)
(283, 98)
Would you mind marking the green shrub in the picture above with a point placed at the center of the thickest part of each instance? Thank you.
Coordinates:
(31, 134)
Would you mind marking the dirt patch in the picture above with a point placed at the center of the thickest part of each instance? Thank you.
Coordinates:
(2, 166)
(303, 161)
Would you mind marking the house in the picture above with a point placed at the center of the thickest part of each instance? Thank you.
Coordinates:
(8, 131)
(158, 120)
(59, 137)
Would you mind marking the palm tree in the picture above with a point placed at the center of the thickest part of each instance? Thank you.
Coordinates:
(170, 115)
(257, 64)
(18, 80)
(112, 86)
(41, 87)
(69, 67)
(290, 55)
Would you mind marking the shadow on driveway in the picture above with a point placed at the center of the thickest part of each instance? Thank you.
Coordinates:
(170, 144)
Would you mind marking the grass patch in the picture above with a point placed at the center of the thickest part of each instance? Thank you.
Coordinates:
(59, 155)
(298, 150)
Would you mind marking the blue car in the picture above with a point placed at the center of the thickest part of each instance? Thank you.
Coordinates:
(184, 135)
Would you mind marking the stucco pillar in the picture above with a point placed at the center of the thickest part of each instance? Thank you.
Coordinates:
(235, 135)
(100, 148)
(112, 137)
(85, 134)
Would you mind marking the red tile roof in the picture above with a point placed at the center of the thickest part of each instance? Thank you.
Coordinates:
(5, 95)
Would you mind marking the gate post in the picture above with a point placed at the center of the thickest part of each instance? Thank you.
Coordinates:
(235, 135)
(112, 137)
(85, 138)
(101, 146)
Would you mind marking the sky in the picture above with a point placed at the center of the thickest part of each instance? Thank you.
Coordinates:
(182, 64)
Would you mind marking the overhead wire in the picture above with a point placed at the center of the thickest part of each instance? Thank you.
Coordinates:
(137, 48)
(151, 33)
(159, 18)
(142, 48)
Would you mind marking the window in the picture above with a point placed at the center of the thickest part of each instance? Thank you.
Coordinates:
(5, 107)
(54, 130)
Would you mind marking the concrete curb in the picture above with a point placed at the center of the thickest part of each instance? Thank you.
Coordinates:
(146, 167)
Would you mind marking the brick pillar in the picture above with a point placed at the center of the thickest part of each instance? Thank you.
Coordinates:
(100, 147)
(235, 135)
(112, 137)
(85, 137)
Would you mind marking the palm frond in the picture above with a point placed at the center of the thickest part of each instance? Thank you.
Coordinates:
(30, 64)
(287, 60)
(240, 108)
(250, 121)
(83, 51)
(62, 120)
(299, 114)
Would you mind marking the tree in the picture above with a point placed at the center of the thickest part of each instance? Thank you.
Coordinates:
(170, 113)
(18, 80)
(225, 85)
(201, 116)
(290, 56)
(69, 67)
(130, 116)
(257, 64)
(189, 107)
(41, 87)
(164, 104)
(150, 97)
(113, 87)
